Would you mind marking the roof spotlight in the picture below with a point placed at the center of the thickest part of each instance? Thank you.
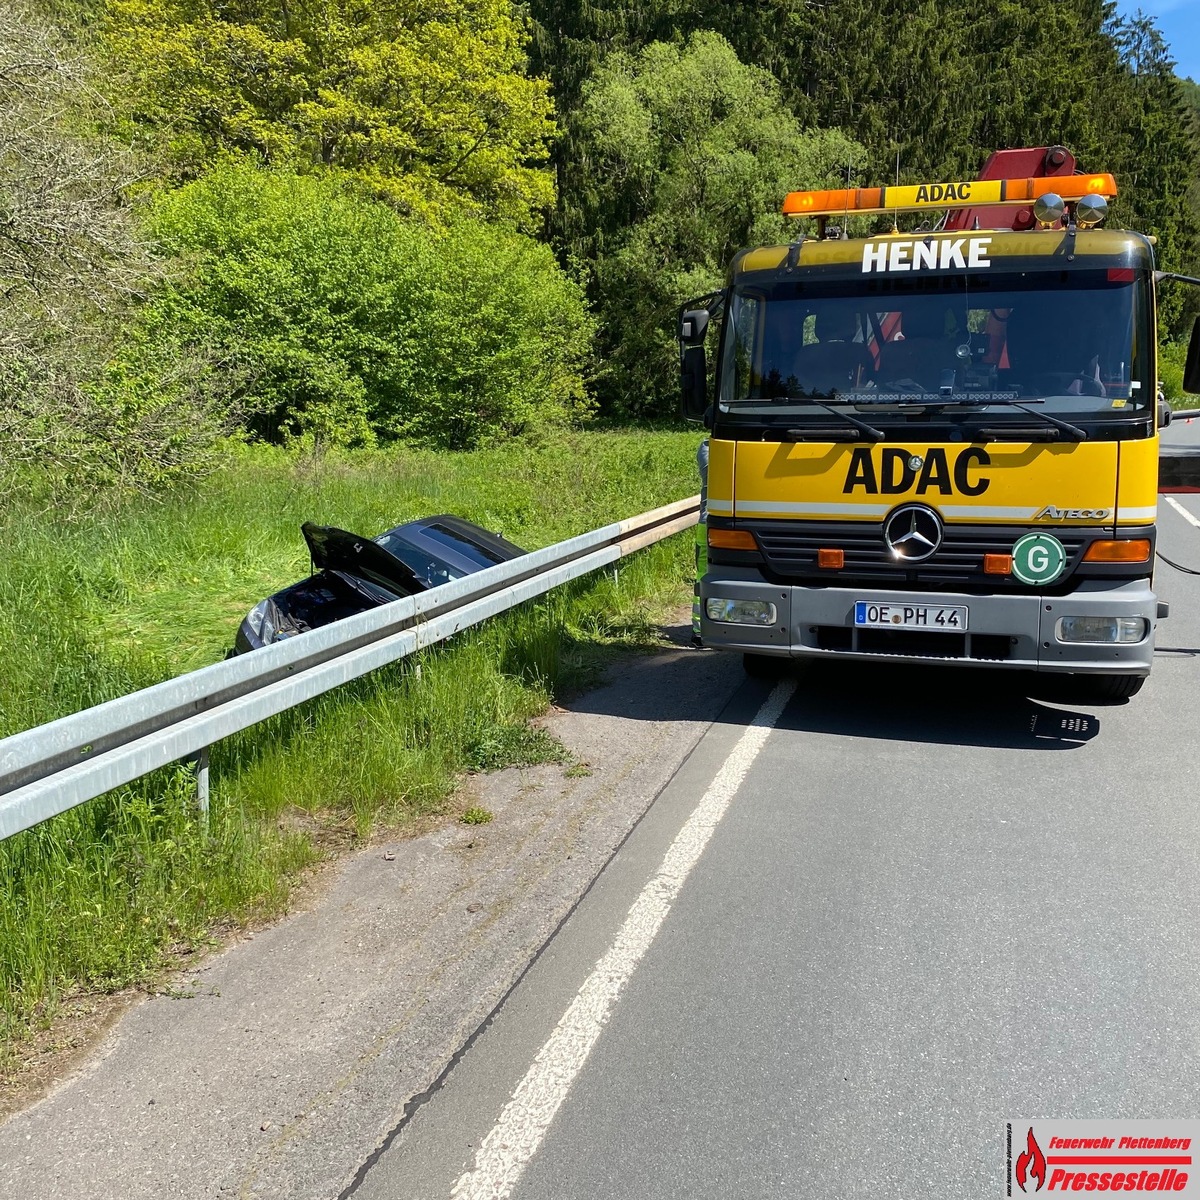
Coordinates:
(1090, 210)
(1048, 209)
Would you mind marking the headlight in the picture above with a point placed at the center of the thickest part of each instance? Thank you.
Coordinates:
(740, 612)
(261, 620)
(1101, 629)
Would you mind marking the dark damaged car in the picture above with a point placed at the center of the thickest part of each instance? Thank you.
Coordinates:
(353, 573)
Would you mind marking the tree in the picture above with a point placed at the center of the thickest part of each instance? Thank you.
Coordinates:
(1189, 93)
(71, 265)
(682, 154)
(1160, 164)
(571, 40)
(425, 101)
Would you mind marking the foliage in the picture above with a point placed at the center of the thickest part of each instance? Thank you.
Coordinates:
(353, 322)
(682, 155)
(74, 414)
(1189, 93)
(424, 101)
(1171, 359)
(931, 88)
(932, 82)
(1158, 165)
(571, 40)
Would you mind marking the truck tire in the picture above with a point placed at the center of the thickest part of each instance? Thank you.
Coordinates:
(1114, 687)
(765, 666)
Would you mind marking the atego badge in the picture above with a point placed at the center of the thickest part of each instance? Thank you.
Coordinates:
(1051, 1157)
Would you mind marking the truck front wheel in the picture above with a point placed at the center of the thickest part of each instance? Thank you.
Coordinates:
(765, 666)
(1113, 687)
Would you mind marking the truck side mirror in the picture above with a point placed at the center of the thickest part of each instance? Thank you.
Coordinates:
(693, 363)
(1191, 368)
(693, 325)
(693, 380)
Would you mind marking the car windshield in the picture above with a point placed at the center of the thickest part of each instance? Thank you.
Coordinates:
(1075, 342)
(431, 571)
(463, 545)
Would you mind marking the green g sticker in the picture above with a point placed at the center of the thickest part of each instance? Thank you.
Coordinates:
(1038, 558)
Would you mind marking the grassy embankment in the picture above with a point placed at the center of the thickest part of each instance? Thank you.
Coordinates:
(98, 606)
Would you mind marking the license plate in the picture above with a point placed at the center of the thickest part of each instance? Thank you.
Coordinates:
(946, 618)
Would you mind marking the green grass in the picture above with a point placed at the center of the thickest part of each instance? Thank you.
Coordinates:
(1171, 359)
(103, 603)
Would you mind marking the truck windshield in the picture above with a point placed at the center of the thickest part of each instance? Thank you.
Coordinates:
(1075, 343)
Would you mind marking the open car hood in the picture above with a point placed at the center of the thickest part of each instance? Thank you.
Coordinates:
(335, 549)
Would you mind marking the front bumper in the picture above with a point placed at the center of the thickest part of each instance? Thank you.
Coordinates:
(1014, 631)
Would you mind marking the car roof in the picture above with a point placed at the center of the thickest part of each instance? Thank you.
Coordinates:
(493, 545)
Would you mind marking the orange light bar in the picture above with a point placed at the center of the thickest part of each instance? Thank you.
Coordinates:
(1133, 550)
(834, 560)
(997, 564)
(945, 195)
(731, 539)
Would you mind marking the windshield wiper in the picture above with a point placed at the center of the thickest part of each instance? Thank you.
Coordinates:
(1080, 435)
(1017, 433)
(875, 435)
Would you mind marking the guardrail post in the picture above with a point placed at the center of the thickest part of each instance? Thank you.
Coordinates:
(202, 783)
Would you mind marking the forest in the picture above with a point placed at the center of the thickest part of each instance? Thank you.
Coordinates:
(349, 223)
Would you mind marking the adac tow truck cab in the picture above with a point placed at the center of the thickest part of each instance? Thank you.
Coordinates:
(939, 447)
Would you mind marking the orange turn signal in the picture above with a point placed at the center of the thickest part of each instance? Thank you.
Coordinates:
(834, 559)
(731, 539)
(1132, 550)
(997, 564)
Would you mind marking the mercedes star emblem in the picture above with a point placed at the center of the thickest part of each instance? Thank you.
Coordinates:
(913, 532)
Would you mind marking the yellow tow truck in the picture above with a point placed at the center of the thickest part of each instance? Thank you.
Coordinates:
(935, 446)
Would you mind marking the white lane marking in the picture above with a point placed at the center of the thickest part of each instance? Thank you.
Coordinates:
(1183, 512)
(504, 1153)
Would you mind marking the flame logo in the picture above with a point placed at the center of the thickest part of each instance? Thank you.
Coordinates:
(1032, 1163)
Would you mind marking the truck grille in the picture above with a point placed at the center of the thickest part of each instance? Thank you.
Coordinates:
(790, 551)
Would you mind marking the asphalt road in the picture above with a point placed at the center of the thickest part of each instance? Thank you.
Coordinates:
(935, 901)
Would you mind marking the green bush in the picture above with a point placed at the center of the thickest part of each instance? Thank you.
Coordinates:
(353, 323)
(1171, 359)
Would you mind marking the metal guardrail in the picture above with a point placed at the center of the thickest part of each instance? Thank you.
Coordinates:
(1179, 469)
(52, 768)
